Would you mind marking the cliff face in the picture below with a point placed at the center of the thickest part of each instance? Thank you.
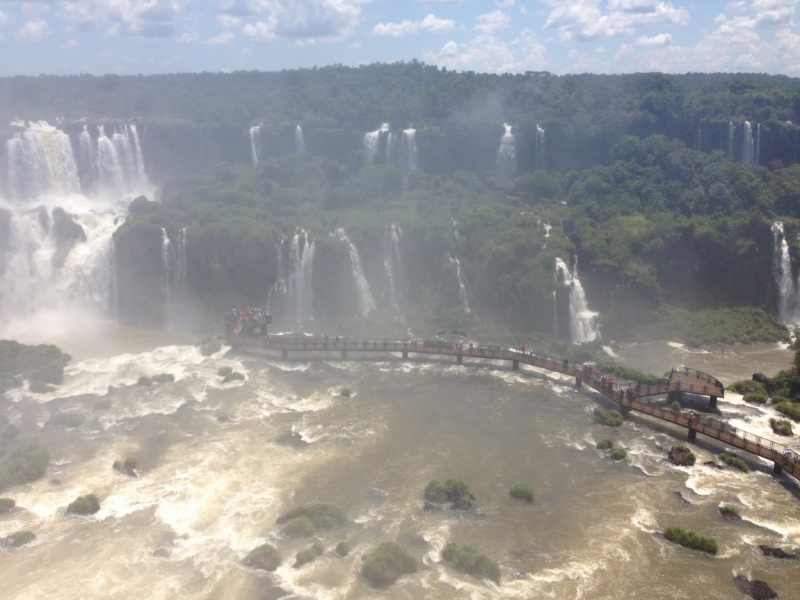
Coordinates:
(141, 291)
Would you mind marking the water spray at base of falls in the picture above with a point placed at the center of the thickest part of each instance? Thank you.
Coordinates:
(366, 304)
(582, 321)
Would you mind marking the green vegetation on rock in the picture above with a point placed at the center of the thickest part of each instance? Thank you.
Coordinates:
(386, 563)
(235, 376)
(144, 380)
(6, 505)
(453, 490)
(84, 505)
(690, 539)
(469, 560)
(303, 521)
(790, 410)
(307, 555)
(264, 557)
(617, 454)
(66, 419)
(127, 466)
(19, 539)
(342, 548)
(755, 398)
(39, 387)
(734, 461)
(781, 426)
(610, 418)
(299, 527)
(605, 444)
(209, 346)
(224, 371)
(345, 392)
(747, 386)
(521, 491)
(41, 364)
(729, 512)
(163, 378)
(27, 463)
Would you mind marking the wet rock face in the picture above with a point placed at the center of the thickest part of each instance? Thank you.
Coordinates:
(681, 498)
(776, 552)
(756, 589)
(770, 383)
(681, 457)
(67, 234)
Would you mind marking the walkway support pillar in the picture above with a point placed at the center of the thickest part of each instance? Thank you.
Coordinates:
(284, 354)
(515, 365)
(777, 468)
(459, 359)
(578, 382)
(344, 354)
(692, 434)
(405, 353)
(712, 402)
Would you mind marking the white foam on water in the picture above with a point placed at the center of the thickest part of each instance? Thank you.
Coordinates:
(644, 520)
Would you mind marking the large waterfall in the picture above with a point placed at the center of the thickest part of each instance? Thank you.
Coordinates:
(399, 149)
(462, 290)
(730, 140)
(582, 321)
(748, 144)
(40, 161)
(539, 150)
(409, 150)
(507, 155)
(787, 286)
(292, 295)
(372, 140)
(299, 140)
(366, 304)
(391, 261)
(758, 144)
(255, 145)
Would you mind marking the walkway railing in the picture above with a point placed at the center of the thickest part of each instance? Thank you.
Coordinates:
(626, 395)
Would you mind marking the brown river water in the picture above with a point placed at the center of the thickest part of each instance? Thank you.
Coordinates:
(219, 463)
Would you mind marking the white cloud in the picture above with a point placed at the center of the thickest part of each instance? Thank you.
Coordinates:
(662, 39)
(223, 39)
(584, 20)
(486, 53)
(4, 18)
(140, 18)
(430, 24)
(441, 2)
(34, 31)
(449, 49)
(187, 38)
(492, 22)
(70, 44)
(228, 22)
(739, 6)
(305, 21)
(504, 3)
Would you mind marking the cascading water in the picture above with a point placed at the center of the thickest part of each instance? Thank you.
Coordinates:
(255, 145)
(293, 292)
(787, 287)
(299, 140)
(462, 290)
(507, 155)
(366, 304)
(409, 146)
(540, 162)
(181, 279)
(730, 140)
(582, 321)
(748, 145)
(165, 264)
(372, 140)
(391, 261)
(758, 144)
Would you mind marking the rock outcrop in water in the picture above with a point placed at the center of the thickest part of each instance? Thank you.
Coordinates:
(681, 456)
(265, 557)
(754, 588)
(776, 552)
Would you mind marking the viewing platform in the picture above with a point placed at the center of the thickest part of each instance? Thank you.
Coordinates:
(628, 396)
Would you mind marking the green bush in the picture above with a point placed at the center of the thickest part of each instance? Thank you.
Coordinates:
(690, 539)
(436, 344)
(610, 418)
(617, 454)
(224, 371)
(41, 364)
(730, 511)
(66, 419)
(6, 504)
(39, 387)
(127, 466)
(469, 560)
(747, 386)
(676, 406)
(144, 380)
(27, 463)
(734, 461)
(20, 538)
(346, 392)
(264, 557)
(321, 516)
(84, 505)
(235, 376)
(605, 444)
(453, 490)
(386, 563)
(781, 426)
(306, 555)
(689, 455)
(790, 410)
(163, 378)
(299, 527)
(342, 548)
(460, 332)
(756, 398)
(521, 491)
(209, 346)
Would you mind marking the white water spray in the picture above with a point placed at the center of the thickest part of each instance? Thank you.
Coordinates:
(391, 260)
(294, 292)
(372, 140)
(582, 321)
(507, 155)
(299, 140)
(748, 145)
(540, 139)
(255, 145)
(462, 290)
(366, 304)
(782, 271)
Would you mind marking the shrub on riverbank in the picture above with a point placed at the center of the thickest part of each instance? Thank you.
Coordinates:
(346, 392)
(209, 346)
(605, 444)
(264, 557)
(19, 539)
(163, 378)
(6, 505)
(307, 555)
(690, 539)
(521, 491)
(681, 455)
(66, 419)
(235, 376)
(729, 512)
(617, 454)
(790, 410)
(84, 505)
(305, 520)
(224, 371)
(781, 426)
(746, 386)
(471, 561)
(756, 398)
(126, 467)
(342, 549)
(27, 463)
(386, 563)
(610, 418)
(734, 461)
(453, 490)
(43, 364)
(144, 380)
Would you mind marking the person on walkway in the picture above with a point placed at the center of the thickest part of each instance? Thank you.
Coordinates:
(679, 382)
(666, 381)
(787, 455)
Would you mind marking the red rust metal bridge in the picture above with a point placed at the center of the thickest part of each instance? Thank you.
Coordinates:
(627, 396)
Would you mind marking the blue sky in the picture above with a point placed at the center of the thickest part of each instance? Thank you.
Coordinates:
(561, 36)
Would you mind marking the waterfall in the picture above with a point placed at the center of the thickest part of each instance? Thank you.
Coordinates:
(582, 321)
(547, 228)
(40, 161)
(507, 155)
(462, 290)
(556, 328)
(181, 279)
(539, 149)
(109, 166)
(410, 150)
(255, 144)
(391, 260)
(365, 302)
(748, 146)
(372, 140)
(293, 291)
(787, 287)
(758, 144)
(299, 140)
(165, 266)
(730, 140)
(141, 178)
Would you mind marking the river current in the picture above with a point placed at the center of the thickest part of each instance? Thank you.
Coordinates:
(220, 462)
